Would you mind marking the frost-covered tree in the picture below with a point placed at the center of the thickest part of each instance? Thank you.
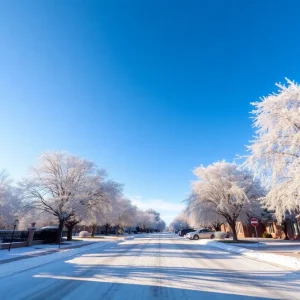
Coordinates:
(161, 225)
(127, 213)
(202, 213)
(275, 150)
(182, 221)
(60, 184)
(113, 210)
(102, 204)
(124, 215)
(155, 222)
(143, 220)
(228, 191)
(70, 224)
(32, 215)
(148, 220)
(11, 206)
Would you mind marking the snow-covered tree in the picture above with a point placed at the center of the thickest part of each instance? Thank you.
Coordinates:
(143, 220)
(124, 215)
(127, 213)
(102, 203)
(202, 213)
(161, 225)
(180, 222)
(228, 191)
(60, 184)
(67, 190)
(32, 215)
(155, 222)
(10, 202)
(116, 210)
(275, 150)
(148, 220)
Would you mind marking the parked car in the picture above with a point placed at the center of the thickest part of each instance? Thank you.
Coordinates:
(202, 233)
(47, 233)
(183, 232)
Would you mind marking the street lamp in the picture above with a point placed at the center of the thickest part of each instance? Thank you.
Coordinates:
(16, 222)
(63, 216)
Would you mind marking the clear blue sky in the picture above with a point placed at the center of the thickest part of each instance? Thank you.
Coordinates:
(147, 89)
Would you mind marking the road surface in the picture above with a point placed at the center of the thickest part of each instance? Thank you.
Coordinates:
(157, 266)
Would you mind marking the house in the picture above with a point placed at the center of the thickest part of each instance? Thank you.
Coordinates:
(272, 227)
(292, 228)
(245, 230)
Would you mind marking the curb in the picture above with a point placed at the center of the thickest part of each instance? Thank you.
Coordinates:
(274, 259)
(43, 252)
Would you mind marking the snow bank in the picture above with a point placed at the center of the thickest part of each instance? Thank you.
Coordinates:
(28, 263)
(275, 259)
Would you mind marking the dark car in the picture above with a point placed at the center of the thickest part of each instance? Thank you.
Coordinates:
(48, 234)
(183, 232)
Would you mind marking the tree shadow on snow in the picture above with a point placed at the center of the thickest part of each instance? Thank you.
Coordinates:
(194, 282)
(99, 275)
(73, 289)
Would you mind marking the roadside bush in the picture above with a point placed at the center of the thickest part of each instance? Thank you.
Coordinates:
(267, 235)
(84, 234)
(220, 235)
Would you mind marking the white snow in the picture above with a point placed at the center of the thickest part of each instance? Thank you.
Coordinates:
(153, 267)
(281, 260)
(35, 249)
(24, 264)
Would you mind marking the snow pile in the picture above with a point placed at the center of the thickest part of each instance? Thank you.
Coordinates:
(84, 234)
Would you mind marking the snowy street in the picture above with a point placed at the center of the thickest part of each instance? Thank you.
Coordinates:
(155, 266)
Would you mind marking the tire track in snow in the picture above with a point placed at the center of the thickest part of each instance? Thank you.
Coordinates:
(207, 261)
(60, 288)
(158, 291)
(115, 287)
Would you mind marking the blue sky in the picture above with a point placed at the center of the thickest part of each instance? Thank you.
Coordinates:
(147, 89)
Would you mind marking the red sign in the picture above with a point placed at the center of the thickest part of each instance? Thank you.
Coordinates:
(254, 222)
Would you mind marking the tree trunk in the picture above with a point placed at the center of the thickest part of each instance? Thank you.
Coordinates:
(284, 225)
(93, 230)
(60, 229)
(217, 226)
(70, 224)
(232, 225)
(69, 236)
(106, 228)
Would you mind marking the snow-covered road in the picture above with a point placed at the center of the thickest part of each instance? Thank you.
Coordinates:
(156, 266)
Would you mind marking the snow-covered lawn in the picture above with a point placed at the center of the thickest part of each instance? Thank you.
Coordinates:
(43, 248)
(34, 255)
(37, 249)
